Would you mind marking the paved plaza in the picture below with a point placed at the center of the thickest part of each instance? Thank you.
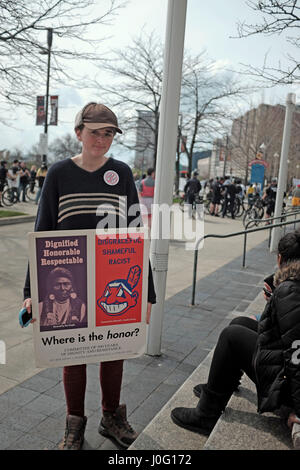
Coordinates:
(32, 404)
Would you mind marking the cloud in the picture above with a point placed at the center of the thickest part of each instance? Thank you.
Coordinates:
(69, 96)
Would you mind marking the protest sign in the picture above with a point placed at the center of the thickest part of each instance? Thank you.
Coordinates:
(89, 295)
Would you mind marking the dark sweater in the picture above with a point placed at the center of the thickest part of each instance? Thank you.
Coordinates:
(71, 196)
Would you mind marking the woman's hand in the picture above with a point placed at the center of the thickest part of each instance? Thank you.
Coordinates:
(267, 292)
(292, 419)
(28, 305)
(148, 314)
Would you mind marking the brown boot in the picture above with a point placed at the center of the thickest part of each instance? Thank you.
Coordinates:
(115, 425)
(74, 433)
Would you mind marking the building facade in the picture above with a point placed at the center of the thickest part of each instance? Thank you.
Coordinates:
(257, 135)
(145, 140)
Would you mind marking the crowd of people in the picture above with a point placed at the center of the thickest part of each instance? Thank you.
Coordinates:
(222, 193)
(219, 191)
(18, 177)
(260, 347)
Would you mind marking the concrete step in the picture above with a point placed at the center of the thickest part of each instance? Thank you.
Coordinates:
(161, 433)
(241, 428)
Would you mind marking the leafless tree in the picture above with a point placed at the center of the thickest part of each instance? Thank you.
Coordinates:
(137, 73)
(16, 154)
(23, 43)
(64, 147)
(208, 103)
(278, 17)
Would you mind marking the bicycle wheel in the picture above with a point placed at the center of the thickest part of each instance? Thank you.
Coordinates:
(242, 208)
(9, 197)
(206, 205)
(251, 219)
(237, 210)
(246, 217)
(30, 195)
(283, 213)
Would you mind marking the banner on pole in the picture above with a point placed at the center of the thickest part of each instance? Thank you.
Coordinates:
(89, 295)
(40, 111)
(54, 110)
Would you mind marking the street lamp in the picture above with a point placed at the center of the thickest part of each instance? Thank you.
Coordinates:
(262, 147)
(48, 52)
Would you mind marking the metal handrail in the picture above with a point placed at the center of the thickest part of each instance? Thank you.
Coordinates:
(234, 234)
(284, 214)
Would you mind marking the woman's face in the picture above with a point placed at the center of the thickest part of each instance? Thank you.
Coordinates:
(95, 143)
(62, 288)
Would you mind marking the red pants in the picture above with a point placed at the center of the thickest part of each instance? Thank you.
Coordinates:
(74, 378)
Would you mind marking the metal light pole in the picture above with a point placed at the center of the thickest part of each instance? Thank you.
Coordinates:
(49, 42)
(282, 176)
(226, 156)
(166, 155)
(178, 151)
(276, 156)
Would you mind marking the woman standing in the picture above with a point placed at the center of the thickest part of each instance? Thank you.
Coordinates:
(40, 176)
(73, 192)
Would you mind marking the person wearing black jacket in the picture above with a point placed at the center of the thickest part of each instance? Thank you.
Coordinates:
(216, 187)
(191, 190)
(24, 179)
(268, 356)
(229, 198)
(3, 176)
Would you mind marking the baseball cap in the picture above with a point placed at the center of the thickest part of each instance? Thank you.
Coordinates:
(96, 116)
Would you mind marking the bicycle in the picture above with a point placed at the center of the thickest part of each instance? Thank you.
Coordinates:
(255, 210)
(239, 206)
(29, 193)
(198, 200)
(10, 196)
(195, 205)
(207, 203)
(181, 203)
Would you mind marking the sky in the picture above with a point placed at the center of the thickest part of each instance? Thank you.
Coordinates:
(210, 26)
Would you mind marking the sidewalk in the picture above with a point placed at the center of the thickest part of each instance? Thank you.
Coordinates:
(32, 400)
